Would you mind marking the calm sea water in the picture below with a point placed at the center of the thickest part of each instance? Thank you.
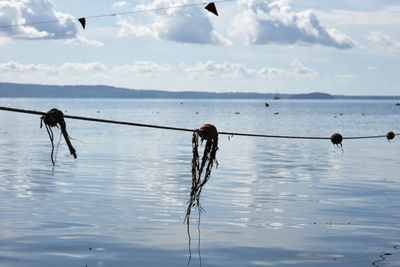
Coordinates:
(271, 202)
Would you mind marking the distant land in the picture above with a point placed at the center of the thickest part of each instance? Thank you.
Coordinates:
(18, 90)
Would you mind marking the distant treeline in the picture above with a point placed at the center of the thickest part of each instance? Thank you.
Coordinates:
(102, 91)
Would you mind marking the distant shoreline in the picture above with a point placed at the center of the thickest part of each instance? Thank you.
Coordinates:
(17, 90)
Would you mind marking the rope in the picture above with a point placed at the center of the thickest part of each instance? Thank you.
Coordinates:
(111, 14)
(186, 129)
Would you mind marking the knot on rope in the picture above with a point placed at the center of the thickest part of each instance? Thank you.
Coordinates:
(208, 133)
(55, 118)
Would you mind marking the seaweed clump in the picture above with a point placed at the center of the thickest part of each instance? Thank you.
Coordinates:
(55, 118)
(209, 133)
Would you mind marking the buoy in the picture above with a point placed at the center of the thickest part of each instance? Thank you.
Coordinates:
(208, 132)
(390, 135)
(266, 104)
(337, 139)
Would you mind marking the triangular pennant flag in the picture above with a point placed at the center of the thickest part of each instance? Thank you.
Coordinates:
(83, 22)
(211, 7)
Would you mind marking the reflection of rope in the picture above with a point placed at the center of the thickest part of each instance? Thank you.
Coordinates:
(382, 256)
(185, 129)
(110, 14)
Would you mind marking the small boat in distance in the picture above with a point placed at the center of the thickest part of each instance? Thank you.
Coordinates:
(398, 104)
(276, 98)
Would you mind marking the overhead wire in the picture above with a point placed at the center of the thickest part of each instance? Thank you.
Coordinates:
(186, 129)
(111, 14)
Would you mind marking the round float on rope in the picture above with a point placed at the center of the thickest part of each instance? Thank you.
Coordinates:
(208, 132)
(336, 139)
(390, 135)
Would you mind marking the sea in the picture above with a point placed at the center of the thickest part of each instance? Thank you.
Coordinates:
(269, 202)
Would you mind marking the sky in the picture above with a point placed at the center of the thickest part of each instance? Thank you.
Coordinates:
(349, 47)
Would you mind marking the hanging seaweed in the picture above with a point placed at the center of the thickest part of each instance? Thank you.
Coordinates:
(55, 118)
(208, 133)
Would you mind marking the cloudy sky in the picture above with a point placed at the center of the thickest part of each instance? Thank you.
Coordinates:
(347, 47)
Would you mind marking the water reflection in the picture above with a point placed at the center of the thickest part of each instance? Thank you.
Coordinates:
(198, 237)
(270, 202)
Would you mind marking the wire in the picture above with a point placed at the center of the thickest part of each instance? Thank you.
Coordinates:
(185, 129)
(111, 14)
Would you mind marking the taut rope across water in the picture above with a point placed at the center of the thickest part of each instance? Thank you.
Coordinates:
(191, 130)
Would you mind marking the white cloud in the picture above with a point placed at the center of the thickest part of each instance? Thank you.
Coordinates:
(14, 67)
(120, 4)
(385, 41)
(274, 22)
(94, 72)
(380, 17)
(183, 25)
(299, 69)
(270, 72)
(91, 66)
(130, 28)
(143, 69)
(62, 25)
(5, 40)
(212, 69)
(76, 70)
(346, 77)
(238, 70)
(79, 39)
